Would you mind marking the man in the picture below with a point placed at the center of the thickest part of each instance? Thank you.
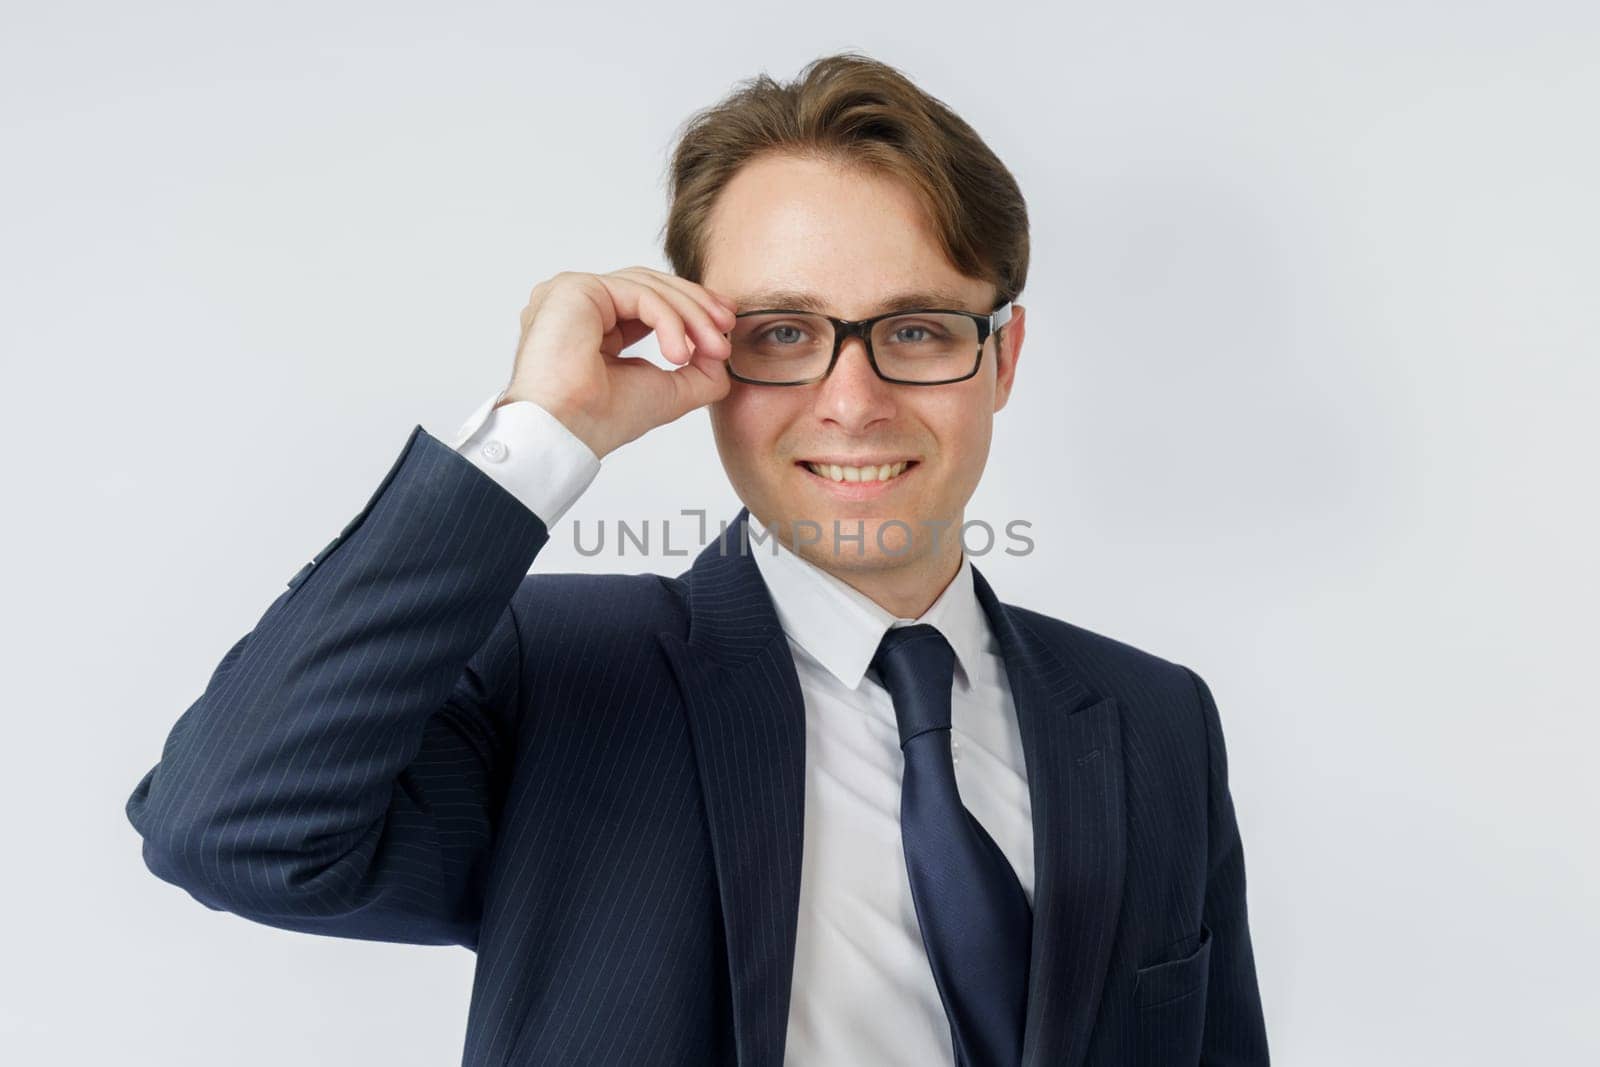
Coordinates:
(817, 800)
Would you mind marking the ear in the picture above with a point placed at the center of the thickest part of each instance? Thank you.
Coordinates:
(1008, 349)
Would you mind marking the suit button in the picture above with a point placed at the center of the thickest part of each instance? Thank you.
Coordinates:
(493, 451)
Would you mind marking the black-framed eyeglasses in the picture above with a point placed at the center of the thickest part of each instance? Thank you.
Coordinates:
(929, 346)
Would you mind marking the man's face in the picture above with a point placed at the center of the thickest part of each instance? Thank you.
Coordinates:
(855, 242)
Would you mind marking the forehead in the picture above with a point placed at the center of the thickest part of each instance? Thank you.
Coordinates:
(830, 238)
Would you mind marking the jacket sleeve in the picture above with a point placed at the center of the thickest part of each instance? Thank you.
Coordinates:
(343, 770)
(1235, 1032)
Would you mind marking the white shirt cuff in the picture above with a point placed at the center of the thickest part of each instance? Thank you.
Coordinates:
(530, 453)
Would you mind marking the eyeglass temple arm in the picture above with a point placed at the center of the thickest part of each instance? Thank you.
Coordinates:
(1000, 316)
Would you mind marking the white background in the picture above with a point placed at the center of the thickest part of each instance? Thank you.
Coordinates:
(1305, 403)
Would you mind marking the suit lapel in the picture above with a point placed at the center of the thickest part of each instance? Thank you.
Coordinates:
(747, 723)
(1072, 745)
(746, 719)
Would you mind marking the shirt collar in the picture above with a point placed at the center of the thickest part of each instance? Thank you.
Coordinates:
(840, 627)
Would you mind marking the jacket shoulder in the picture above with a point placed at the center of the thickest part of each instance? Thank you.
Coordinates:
(565, 607)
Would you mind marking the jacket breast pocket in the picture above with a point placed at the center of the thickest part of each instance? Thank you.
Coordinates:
(1170, 1008)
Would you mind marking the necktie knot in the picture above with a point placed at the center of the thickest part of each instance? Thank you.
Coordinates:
(917, 666)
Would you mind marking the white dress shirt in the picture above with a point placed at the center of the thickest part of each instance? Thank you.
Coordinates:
(862, 991)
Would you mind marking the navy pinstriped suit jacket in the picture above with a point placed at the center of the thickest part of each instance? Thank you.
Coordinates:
(596, 783)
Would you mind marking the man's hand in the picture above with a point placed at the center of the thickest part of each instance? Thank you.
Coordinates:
(574, 329)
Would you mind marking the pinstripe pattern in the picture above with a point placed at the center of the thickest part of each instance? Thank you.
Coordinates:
(596, 783)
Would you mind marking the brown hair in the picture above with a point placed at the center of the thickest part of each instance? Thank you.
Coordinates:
(857, 111)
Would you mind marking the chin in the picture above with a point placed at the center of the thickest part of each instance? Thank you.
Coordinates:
(898, 545)
(847, 562)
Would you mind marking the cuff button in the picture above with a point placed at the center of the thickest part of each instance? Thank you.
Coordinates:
(493, 451)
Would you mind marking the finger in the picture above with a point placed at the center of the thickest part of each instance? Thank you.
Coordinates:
(625, 334)
(644, 303)
(705, 333)
(714, 303)
(719, 314)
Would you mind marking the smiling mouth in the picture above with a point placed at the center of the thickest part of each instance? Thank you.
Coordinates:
(836, 472)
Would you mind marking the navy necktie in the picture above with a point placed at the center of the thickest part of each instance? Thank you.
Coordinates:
(975, 920)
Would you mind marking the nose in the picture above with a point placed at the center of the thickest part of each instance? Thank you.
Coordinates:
(853, 396)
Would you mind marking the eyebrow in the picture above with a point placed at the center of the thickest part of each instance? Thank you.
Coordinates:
(799, 300)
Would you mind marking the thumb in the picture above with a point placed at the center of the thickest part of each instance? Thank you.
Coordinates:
(700, 381)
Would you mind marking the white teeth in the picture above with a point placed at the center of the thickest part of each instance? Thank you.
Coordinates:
(858, 474)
